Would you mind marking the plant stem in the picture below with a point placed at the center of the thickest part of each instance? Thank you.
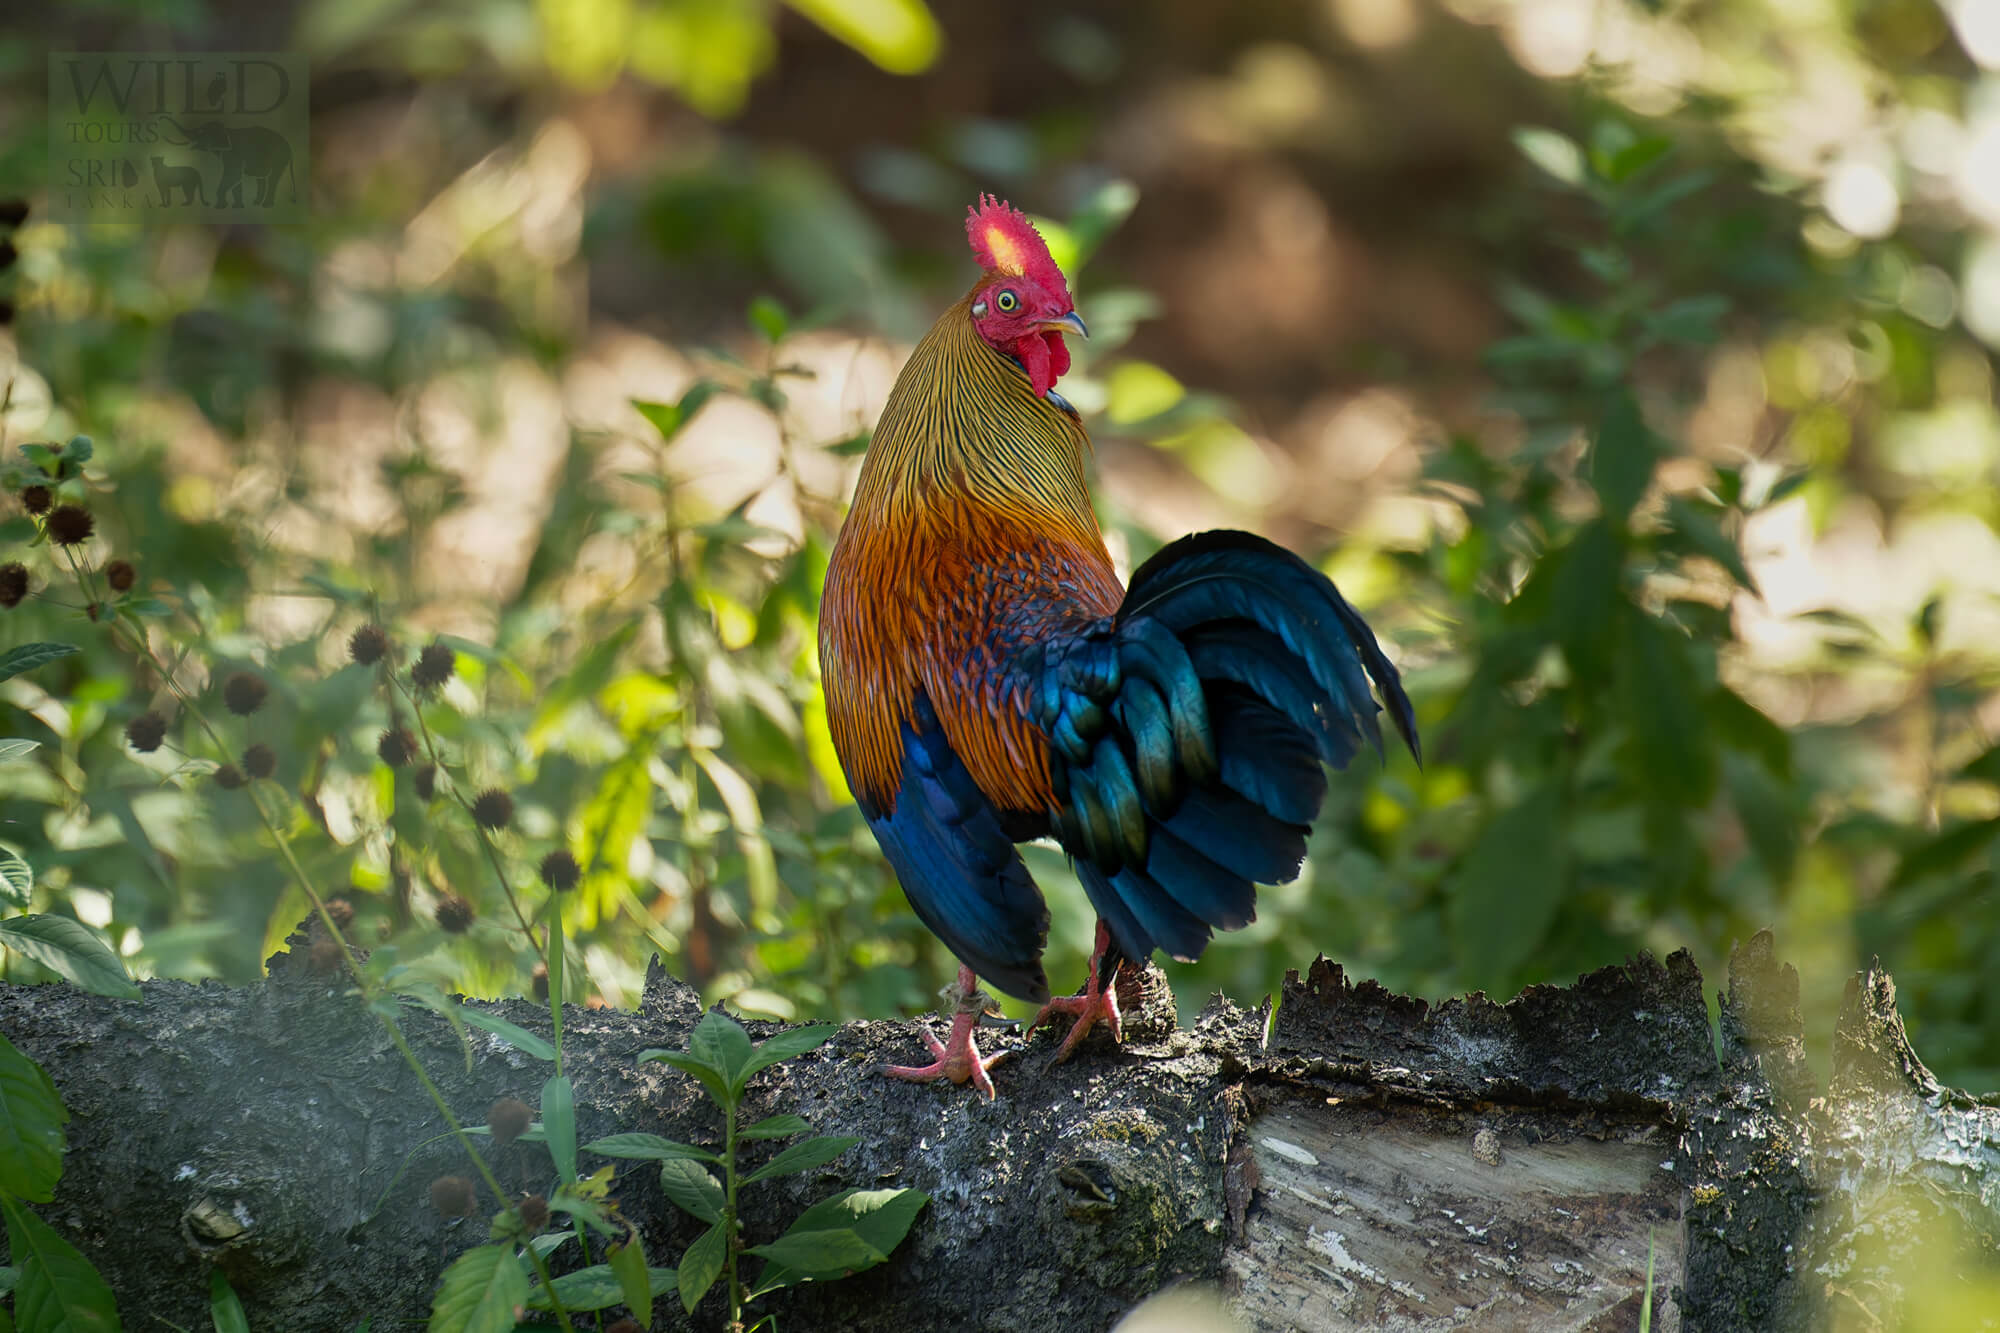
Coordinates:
(729, 1213)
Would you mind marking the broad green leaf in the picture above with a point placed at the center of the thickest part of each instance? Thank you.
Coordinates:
(72, 949)
(1507, 889)
(59, 1291)
(701, 1265)
(17, 880)
(802, 1157)
(32, 1117)
(852, 446)
(900, 36)
(79, 449)
(1658, 696)
(1583, 592)
(1705, 536)
(877, 1219)
(512, 1033)
(1946, 852)
(628, 1261)
(559, 1121)
(28, 656)
(690, 1185)
(709, 1076)
(670, 418)
(1766, 816)
(1986, 768)
(224, 1307)
(650, 1148)
(598, 1288)
(481, 1291)
(1690, 321)
(15, 748)
(1621, 461)
(720, 1042)
(785, 1045)
(776, 1127)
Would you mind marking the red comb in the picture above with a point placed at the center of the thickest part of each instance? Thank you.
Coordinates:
(1004, 241)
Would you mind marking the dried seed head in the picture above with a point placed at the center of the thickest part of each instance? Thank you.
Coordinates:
(541, 982)
(425, 780)
(453, 1196)
(324, 957)
(534, 1211)
(368, 645)
(341, 910)
(95, 610)
(260, 760)
(145, 732)
(454, 914)
(37, 498)
(508, 1119)
(13, 583)
(120, 575)
(70, 525)
(492, 809)
(560, 871)
(435, 665)
(229, 777)
(244, 693)
(396, 747)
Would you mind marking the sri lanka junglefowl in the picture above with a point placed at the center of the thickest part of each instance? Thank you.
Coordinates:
(988, 682)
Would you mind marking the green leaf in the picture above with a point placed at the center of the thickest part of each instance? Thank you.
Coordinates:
(701, 1265)
(786, 1045)
(1704, 535)
(1767, 817)
(512, 1033)
(650, 1148)
(17, 880)
(1621, 461)
(852, 445)
(481, 1290)
(720, 1042)
(224, 1307)
(1691, 321)
(669, 419)
(1986, 768)
(598, 1288)
(28, 656)
(628, 1261)
(1557, 154)
(710, 1077)
(770, 318)
(79, 449)
(690, 1185)
(70, 948)
(1946, 852)
(32, 1117)
(1505, 894)
(15, 748)
(879, 1219)
(802, 1157)
(1583, 595)
(776, 1127)
(58, 1290)
(1661, 702)
(559, 1121)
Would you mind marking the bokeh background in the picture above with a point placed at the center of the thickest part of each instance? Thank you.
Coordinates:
(1631, 364)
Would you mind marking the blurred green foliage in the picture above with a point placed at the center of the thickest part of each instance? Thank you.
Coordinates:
(441, 407)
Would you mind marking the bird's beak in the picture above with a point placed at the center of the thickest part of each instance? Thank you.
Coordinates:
(1070, 323)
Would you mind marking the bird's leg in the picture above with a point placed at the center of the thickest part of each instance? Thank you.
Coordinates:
(959, 1059)
(1097, 1000)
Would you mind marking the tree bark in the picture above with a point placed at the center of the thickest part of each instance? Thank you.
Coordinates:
(1356, 1160)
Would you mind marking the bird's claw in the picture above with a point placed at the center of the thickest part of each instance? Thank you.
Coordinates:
(1094, 1004)
(958, 1061)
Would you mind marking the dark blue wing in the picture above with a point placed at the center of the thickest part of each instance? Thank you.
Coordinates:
(1187, 733)
(958, 865)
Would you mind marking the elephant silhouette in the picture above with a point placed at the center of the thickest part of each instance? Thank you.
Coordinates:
(256, 151)
(186, 179)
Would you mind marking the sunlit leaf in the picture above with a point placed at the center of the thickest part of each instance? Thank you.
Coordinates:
(804, 1156)
(701, 1265)
(854, 1229)
(58, 1291)
(598, 1288)
(690, 1185)
(17, 880)
(28, 656)
(648, 1148)
(898, 35)
(1557, 154)
(628, 1261)
(481, 1291)
(776, 1127)
(225, 1309)
(559, 1121)
(1506, 892)
(71, 949)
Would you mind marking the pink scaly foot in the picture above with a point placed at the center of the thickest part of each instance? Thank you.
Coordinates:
(959, 1060)
(1095, 1002)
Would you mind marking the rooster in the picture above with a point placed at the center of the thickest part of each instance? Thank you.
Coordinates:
(988, 682)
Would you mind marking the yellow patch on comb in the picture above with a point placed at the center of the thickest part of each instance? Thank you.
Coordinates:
(1005, 252)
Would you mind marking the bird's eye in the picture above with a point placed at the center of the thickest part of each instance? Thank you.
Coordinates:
(1007, 303)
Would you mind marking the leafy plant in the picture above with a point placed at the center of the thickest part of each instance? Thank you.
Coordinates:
(849, 1231)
